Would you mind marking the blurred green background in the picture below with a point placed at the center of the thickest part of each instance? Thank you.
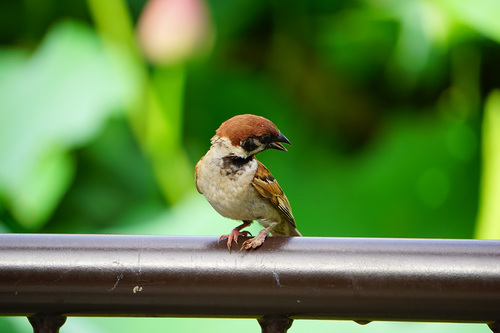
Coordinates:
(392, 107)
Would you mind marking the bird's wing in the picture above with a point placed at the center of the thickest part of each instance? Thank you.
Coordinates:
(268, 187)
(196, 175)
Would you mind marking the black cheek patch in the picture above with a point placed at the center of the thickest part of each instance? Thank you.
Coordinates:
(249, 144)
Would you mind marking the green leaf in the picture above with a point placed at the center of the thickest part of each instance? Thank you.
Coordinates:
(481, 15)
(54, 101)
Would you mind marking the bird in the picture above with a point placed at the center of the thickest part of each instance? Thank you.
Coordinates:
(240, 187)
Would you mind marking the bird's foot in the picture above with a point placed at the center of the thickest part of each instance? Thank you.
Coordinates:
(233, 237)
(255, 242)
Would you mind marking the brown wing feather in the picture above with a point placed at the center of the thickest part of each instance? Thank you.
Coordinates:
(268, 187)
(196, 175)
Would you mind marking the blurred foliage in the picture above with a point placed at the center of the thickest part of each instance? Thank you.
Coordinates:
(489, 217)
(382, 100)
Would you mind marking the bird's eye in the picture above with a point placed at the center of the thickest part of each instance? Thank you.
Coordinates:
(265, 139)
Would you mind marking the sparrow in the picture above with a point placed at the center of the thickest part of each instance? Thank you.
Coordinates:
(240, 187)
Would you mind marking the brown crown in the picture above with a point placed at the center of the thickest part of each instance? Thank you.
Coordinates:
(241, 127)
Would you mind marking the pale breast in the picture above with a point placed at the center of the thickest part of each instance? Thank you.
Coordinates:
(228, 188)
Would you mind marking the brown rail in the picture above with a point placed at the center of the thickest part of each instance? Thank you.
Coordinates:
(50, 277)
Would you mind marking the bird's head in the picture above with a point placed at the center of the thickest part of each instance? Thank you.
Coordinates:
(248, 135)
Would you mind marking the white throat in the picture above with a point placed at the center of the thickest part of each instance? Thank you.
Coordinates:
(222, 146)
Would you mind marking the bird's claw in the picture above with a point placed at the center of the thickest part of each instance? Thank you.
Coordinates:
(255, 242)
(233, 237)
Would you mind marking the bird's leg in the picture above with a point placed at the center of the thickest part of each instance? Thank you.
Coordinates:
(257, 241)
(235, 233)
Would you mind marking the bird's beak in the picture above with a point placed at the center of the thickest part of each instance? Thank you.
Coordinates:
(277, 145)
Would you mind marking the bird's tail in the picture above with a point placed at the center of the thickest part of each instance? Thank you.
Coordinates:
(294, 233)
(288, 231)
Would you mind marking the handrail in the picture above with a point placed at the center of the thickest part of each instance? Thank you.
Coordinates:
(361, 279)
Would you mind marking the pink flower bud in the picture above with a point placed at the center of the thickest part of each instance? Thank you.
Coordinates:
(172, 30)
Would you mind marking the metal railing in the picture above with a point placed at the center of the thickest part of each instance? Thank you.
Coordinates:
(50, 277)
